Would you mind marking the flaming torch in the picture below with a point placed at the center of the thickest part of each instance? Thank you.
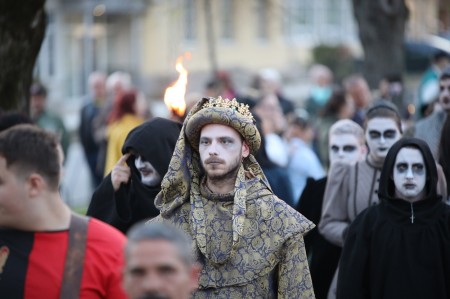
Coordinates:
(174, 95)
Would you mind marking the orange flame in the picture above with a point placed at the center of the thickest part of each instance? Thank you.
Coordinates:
(174, 95)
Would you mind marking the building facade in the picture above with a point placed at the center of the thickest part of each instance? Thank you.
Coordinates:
(144, 38)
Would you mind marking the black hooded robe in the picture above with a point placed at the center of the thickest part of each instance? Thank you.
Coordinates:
(155, 140)
(323, 255)
(399, 249)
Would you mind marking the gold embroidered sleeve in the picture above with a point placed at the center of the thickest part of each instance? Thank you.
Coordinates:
(294, 278)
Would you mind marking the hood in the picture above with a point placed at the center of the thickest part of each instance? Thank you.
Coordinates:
(155, 140)
(387, 186)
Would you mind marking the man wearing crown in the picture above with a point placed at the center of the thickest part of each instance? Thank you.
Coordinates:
(249, 242)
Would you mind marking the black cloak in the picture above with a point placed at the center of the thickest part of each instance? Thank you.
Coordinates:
(399, 249)
(155, 140)
(323, 256)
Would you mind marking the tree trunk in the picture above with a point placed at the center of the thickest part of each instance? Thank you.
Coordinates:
(22, 30)
(381, 32)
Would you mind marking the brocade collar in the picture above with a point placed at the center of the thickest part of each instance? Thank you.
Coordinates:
(208, 194)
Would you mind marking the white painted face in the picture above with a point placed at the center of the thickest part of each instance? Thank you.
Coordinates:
(409, 174)
(149, 176)
(345, 148)
(381, 134)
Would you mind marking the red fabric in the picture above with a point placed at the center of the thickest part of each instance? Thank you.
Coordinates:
(103, 264)
(46, 265)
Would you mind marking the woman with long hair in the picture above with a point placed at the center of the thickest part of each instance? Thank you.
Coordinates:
(122, 119)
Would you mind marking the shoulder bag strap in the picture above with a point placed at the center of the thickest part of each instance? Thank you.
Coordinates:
(73, 267)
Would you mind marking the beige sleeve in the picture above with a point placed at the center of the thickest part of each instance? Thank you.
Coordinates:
(335, 221)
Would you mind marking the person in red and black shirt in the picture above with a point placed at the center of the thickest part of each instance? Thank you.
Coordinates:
(36, 227)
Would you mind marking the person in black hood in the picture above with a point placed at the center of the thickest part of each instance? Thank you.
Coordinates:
(126, 195)
(401, 247)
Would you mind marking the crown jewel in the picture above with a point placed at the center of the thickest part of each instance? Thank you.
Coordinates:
(243, 109)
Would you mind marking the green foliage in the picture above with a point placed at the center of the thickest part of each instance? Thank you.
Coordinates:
(338, 58)
(80, 210)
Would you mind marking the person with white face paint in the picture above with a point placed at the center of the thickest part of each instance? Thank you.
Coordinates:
(409, 175)
(346, 145)
(126, 195)
(351, 188)
(381, 134)
(346, 142)
(401, 247)
(149, 175)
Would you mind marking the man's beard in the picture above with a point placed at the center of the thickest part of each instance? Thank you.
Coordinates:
(229, 174)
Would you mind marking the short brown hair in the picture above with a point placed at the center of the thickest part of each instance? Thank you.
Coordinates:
(31, 149)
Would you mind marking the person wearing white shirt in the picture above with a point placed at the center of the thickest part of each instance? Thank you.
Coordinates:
(303, 162)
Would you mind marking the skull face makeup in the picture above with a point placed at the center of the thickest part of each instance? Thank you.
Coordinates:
(149, 176)
(409, 174)
(345, 148)
(381, 134)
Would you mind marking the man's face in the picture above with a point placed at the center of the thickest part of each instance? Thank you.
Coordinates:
(360, 93)
(271, 113)
(409, 174)
(37, 105)
(269, 86)
(155, 270)
(12, 194)
(221, 150)
(345, 148)
(443, 63)
(444, 94)
(149, 176)
(99, 88)
(381, 134)
(348, 110)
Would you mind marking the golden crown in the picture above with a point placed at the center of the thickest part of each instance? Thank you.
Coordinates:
(243, 109)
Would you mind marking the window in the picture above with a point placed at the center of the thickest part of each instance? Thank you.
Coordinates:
(333, 12)
(227, 15)
(190, 20)
(320, 21)
(338, 21)
(300, 22)
(262, 18)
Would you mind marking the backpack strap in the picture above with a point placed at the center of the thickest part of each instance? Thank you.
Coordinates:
(73, 267)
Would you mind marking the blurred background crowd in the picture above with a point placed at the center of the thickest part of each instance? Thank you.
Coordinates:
(104, 67)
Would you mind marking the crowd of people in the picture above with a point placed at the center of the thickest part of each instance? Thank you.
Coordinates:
(248, 196)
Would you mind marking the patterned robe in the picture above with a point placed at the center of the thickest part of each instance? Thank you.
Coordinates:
(269, 259)
(249, 242)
